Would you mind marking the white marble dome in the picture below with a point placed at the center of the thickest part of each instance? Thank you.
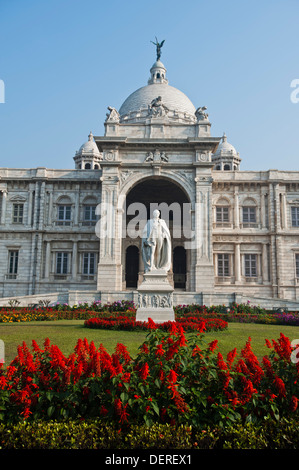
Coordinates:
(174, 99)
(89, 147)
(225, 148)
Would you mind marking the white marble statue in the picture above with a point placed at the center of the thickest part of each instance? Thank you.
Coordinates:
(156, 244)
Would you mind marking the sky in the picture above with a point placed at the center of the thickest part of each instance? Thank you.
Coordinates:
(63, 62)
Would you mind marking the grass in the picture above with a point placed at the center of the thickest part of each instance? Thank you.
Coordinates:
(65, 333)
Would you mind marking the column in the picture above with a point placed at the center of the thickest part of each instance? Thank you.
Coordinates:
(283, 211)
(204, 267)
(75, 260)
(237, 263)
(48, 260)
(265, 274)
(76, 215)
(236, 208)
(50, 207)
(3, 210)
(29, 215)
(42, 205)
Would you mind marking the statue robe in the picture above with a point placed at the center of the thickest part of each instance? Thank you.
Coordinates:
(156, 246)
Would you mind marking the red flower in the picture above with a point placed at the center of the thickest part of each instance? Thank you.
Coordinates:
(160, 351)
(280, 386)
(144, 371)
(172, 377)
(294, 403)
(213, 345)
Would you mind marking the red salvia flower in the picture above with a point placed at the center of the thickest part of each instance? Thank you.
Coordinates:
(280, 386)
(213, 345)
(144, 371)
(294, 403)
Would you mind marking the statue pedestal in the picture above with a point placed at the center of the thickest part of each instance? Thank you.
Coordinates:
(155, 298)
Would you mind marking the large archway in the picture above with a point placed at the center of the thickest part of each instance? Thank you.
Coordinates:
(175, 208)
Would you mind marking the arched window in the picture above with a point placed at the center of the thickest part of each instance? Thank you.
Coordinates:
(132, 266)
(96, 167)
(249, 212)
(222, 212)
(87, 166)
(179, 267)
(64, 211)
(89, 211)
(226, 167)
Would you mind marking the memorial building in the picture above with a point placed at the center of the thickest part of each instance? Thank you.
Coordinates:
(74, 234)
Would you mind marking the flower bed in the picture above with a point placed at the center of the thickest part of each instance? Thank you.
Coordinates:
(172, 380)
(126, 323)
(236, 313)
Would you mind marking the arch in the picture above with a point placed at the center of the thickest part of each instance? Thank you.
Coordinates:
(132, 266)
(87, 166)
(223, 201)
(89, 200)
(227, 167)
(249, 201)
(64, 200)
(136, 178)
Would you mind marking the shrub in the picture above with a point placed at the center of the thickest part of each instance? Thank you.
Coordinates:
(94, 434)
(171, 381)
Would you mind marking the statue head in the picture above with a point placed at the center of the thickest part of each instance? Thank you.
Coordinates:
(156, 214)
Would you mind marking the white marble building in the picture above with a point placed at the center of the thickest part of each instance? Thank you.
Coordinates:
(157, 148)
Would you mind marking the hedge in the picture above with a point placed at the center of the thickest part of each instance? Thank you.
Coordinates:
(95, 434)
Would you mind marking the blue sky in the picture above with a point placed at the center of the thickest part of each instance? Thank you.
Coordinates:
(64, 61)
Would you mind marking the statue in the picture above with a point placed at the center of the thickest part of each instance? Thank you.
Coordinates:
(156, 244)
(113, 114)
(157, 108)
(201, 114)
(158, 47)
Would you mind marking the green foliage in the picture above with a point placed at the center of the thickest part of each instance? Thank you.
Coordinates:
(94, 434)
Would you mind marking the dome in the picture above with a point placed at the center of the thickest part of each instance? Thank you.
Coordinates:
(89, 147)
(225, 148)
(174, 99)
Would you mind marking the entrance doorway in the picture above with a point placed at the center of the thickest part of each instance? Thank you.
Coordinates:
(179, 267)
(132, 266)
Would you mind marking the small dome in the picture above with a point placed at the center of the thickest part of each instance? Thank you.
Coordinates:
(89, 147)
(174, 99)
(225, 148)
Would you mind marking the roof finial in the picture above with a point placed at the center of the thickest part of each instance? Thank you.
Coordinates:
(158, 47)
(90, 137)
(224, 138)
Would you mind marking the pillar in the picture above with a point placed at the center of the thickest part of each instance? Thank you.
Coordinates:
(237, 263)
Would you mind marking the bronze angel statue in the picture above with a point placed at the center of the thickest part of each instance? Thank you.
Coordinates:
(158, 47)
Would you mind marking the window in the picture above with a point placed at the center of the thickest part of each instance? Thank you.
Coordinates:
(18, 210)
(249, 215)
(64, 214)
(295, 216)
(251, 265)
(87, 166)
(223, 265)
(297, 265)
(222, 214)
(90, 213)
(62, 262)
(89, 263)
(226, 167)
(13, 259)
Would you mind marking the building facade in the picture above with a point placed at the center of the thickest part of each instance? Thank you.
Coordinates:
(235, 234)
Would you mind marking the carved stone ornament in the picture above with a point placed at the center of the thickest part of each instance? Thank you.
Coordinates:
(113, 115)
(155, 300)
(156, 157)
(201, 114)
(157, 108)
(109, 156)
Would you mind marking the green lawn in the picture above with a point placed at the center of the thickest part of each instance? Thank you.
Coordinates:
(64, 333)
